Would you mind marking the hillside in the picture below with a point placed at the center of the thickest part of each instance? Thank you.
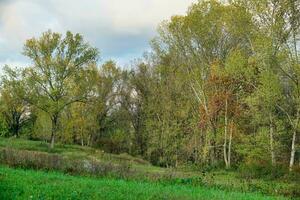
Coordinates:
(85, 161)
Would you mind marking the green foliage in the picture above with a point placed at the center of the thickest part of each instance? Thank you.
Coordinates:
(3, 128)
(14, 110)
(60, 75)
(257, 169)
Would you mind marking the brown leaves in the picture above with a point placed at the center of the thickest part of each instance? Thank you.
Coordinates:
(220, 88)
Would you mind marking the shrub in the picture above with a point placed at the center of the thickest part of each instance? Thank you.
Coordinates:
(46, 161)
(30, 159)
(262, 170)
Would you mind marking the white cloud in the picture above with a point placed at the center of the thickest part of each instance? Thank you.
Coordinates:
(24, 19)
(117, 27)
(138, 15)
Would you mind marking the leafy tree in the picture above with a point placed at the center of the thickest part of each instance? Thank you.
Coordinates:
(265, 101)
(134, 98)
(14, 109)
(277, 45)
(203, 38)
(58, 65)
(106, 95)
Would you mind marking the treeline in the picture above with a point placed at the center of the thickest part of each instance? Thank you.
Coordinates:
(220, 88)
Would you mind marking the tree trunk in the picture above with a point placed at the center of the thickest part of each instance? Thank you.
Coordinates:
(17, 129)
(225, 135)
(52, 140)
(229, 146)
(176, 158)
(273, 161)
(82, 139)
(54, 120)
(89, 140)
(212, 142)
(206, 149)
(293, 151)
(15, 125)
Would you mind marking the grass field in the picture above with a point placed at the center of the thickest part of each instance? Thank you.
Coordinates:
(154, 182)
(17, 184)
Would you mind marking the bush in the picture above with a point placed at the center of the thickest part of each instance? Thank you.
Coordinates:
(45, 161)
(262, 170)
(31, 159)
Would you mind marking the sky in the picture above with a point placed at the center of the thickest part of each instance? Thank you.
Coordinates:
(120, 29)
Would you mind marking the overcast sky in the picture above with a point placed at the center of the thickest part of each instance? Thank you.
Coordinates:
(121, 29)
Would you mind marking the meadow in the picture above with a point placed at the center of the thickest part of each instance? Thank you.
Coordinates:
(17, 184)
(30, 170)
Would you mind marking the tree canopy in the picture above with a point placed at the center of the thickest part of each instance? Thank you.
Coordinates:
(220, 88)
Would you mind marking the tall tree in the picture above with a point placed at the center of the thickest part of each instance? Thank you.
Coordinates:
(204, 37)
(279, 23)
(264, 101)
(59, 63)
(135, 94)
(104, 101)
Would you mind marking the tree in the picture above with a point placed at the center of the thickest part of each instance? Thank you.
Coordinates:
(279, 23)
(106, 95)
(204, 37)
(81, 122)
(58, 65)
(264, 101)
(14, 109)
(134, 98)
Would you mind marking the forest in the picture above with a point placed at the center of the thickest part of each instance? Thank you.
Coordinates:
(220, 89)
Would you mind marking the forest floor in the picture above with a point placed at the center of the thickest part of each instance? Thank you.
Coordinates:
(147, 181)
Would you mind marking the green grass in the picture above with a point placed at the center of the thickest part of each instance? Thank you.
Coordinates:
(229, 181)
(17, 184)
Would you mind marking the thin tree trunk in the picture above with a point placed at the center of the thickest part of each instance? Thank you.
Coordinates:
(293, 151)
(273, 161)
(176, 158)
(229, 146)
(89, 140)
(295, 128)
(212, 144)
(17, 128)
(225, 135)
(82, 140)
(205, 149)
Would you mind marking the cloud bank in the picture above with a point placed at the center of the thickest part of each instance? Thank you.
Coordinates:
(121, 29)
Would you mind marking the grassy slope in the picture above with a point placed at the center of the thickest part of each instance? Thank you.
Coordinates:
(75, 151)
(27, 184)
(225, 180)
